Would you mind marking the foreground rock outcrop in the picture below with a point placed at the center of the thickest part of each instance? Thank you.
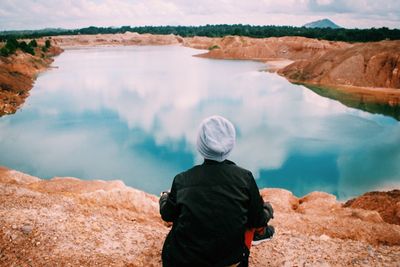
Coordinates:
(67, 221)
(386, 203)
(17, 74)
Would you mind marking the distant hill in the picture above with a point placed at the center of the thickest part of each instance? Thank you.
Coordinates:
(323, 23)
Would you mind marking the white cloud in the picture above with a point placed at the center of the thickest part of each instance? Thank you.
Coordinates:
(324, 2)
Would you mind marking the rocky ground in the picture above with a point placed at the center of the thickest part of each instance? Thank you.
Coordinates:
(70, 222)
(386, 203)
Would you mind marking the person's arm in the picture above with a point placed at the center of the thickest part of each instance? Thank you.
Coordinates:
(257, 217)
(168, 207)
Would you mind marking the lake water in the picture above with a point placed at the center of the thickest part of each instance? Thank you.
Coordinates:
(132, 113)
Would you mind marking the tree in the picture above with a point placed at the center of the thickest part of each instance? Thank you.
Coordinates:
(26, 48)
(12, 45)
(47, 44)
(4, 52)
(33, 43)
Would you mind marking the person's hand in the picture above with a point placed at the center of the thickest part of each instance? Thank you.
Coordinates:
(163, 197)
(164, 193)
(268, 209)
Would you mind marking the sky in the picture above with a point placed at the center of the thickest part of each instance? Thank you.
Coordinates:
(71, 14)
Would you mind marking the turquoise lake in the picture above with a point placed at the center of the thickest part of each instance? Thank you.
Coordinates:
(131, 113)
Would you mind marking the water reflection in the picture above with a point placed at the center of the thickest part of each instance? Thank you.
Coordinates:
(362, 101)
(132, 113)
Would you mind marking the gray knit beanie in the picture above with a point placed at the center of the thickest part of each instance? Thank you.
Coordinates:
(216, 138)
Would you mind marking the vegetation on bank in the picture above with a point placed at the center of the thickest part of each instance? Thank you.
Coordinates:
(11, 45)
(341, 34)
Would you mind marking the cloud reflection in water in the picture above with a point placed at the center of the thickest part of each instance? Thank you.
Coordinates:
(132, 113)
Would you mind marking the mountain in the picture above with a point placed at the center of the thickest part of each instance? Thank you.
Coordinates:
(323, 23)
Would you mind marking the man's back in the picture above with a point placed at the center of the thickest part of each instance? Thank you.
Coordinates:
(211, 205)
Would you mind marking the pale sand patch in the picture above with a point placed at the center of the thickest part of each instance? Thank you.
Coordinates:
(275, 65)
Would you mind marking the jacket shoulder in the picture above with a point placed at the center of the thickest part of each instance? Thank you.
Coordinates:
(240, 170)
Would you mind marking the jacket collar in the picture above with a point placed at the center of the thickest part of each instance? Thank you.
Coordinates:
(214, 162)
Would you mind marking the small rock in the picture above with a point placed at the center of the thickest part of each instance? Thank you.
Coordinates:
(27, 229)
(13, 237)
(14, 226)
(370, 251)
(324, 237)
(37, 243)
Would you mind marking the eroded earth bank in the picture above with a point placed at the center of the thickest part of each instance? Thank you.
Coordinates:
(70, 222)
(18, 73)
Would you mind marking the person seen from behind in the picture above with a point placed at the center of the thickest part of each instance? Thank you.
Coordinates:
(214, 206)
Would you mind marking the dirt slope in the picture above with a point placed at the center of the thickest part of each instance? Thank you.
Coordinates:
(67, 221)
(17, 74)
(238, 47)
(366, 64)
(386, 203)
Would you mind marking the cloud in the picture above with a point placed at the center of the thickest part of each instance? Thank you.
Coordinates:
(25, 14)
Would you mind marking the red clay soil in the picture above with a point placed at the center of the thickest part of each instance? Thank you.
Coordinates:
(386, 203)
(374, 64)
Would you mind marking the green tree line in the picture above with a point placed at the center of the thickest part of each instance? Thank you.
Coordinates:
(341, 34)
(11, 45)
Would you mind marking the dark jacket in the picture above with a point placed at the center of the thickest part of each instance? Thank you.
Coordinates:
(210, 206)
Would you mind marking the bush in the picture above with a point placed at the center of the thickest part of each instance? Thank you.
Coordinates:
(26, 48)
(213, 47)
(11, 45)
(33, 43)
(47, 44)
(4, 52)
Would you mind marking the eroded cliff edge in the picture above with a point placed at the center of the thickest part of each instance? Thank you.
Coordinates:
(69, 221)
(18, 73)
